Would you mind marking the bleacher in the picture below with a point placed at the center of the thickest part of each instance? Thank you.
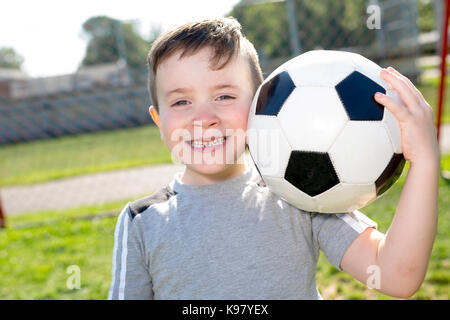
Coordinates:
(64, 113)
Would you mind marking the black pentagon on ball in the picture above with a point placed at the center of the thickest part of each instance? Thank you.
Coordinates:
(356, 92)
(311, 172)
(273, 94)
(390, 174)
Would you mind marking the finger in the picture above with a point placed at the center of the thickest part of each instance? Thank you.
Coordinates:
(398, 74)
(409, 82)
(422, 102)
(405, 93)
(397, 109)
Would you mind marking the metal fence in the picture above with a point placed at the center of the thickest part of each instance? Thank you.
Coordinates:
(385, 31)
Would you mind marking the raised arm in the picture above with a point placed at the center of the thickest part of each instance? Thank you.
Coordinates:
(400, 258)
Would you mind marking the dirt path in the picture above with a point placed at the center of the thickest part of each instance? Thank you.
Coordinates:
(87, 189)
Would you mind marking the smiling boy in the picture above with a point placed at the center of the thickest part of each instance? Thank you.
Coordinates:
(216, 231)
(216, 102)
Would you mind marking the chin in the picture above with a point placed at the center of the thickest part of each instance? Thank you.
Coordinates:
(211, 169)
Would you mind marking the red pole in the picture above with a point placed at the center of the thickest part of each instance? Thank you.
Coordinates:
(444, 43)
(2, 216)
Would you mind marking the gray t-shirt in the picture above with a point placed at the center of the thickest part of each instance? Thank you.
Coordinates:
(231, 240)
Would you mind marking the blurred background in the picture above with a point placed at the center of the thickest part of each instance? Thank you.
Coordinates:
(77, 143)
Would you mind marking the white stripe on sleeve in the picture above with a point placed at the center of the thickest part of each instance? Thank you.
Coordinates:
(357, 220)
(116, 248)
(123, 263)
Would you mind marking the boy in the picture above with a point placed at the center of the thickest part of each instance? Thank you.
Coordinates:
(216, 232)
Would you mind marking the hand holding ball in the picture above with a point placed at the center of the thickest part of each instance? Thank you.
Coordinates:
(317, 136)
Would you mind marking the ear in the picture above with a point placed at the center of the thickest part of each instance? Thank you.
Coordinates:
(155, 118)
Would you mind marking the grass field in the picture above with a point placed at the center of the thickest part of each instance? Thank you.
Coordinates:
(38, 161)
(37, 248)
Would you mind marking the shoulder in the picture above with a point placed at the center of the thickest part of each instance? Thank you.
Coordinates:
(139, 206)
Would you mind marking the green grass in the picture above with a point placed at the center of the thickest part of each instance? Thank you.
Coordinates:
(31, 162)
(37, 248)
(445, 162)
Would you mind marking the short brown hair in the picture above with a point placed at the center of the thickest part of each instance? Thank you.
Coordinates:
(223, 35)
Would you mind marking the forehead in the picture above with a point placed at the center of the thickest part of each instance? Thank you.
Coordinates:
(198, 69)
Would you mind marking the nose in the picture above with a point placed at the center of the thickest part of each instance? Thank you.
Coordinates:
(205, 117)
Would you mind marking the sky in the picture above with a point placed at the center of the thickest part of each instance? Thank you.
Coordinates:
(48, 33)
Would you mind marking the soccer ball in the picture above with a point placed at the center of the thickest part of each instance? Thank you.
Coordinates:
(318, 138)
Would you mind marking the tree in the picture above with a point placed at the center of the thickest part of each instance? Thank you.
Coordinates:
(10, 59)
(326, 24)
(110, 39)
(426, 15)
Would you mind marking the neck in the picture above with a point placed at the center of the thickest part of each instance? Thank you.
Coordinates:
(193, 177)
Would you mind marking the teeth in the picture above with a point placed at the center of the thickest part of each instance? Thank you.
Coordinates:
(200, 144)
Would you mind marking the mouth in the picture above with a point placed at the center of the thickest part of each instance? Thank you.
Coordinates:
(207, 145)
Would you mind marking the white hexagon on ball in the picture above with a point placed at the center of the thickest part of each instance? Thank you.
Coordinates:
(345, 197)
(268, 146)
(361, 152)
(324, 68)
(312, 127)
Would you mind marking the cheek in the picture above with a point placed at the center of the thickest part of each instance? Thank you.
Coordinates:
(170, 127)
(173, 137)
(242, 119)
(169, 133)
(239, 122)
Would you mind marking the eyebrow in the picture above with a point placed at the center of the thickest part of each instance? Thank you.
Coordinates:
(225, 86)
(217, 87)
(177, 90)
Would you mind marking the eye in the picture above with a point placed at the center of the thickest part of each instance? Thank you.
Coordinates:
(225, 97)
(180, 103)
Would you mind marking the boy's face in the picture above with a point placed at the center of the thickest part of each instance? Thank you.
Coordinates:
(203, 112)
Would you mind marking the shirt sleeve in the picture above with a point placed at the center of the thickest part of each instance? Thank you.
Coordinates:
(130, 274)
(333, 233)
